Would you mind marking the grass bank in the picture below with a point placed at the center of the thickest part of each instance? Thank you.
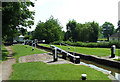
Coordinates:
(5, 53)
(21, 50)
(88, 51)
(42, 71)
(117, 59)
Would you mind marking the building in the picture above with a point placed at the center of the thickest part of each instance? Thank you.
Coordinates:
(115, 37)
(19, 38)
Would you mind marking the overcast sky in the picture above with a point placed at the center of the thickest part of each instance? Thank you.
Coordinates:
(80, 10)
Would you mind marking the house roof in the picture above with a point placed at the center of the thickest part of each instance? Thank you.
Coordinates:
(21, 36)
(116, 35)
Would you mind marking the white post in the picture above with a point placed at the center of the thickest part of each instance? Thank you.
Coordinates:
(55, 53)
(113, 51)
(84, 76)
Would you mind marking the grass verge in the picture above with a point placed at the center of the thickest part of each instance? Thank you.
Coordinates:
(5, 53)
(21, 50)
(117, 59)
(42, 71)
(88, 51)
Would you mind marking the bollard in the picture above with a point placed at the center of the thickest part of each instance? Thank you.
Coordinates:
(32, 49)
(77, 59)
(113, 51)
(55, 54)
(84, 76)
(43, 41)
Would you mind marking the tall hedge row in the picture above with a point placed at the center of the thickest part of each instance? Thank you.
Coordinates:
(90, 44)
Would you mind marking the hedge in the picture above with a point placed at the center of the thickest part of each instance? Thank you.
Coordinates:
(90, 44)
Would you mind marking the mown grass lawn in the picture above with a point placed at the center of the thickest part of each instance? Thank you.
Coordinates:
(117, 59)
(102, 39)
(4, 53)
(42, 71)
(21, 50)
(88, 51)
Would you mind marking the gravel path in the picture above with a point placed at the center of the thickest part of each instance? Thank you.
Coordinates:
(46, 58)
(7, 65)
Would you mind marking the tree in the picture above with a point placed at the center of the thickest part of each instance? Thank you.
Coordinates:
(15, 16)
(107, 29)
(94, 31)
(71, 25)
(29, 35)
(79, 30)
(82, 32)
(39, 32)
(49, 31)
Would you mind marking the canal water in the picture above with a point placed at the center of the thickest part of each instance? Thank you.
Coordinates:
(110, 70)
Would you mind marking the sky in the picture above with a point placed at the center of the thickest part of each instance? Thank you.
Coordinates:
(82, 11)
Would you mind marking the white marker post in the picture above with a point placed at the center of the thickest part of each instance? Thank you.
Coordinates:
(55, 54)
(113, 51)
(43, 41)
(84, 76)
(77, 60)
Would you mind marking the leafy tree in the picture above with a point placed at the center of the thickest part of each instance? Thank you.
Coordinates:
(71, 25)
(94, 31)
(39, 32)
(15, 16)
(23, 31)
(49, 31)
(82, 32)
(67, 36)
(29, 35)
(107, 29)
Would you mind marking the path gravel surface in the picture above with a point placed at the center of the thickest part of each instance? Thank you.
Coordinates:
(46, 58)
(6, 66)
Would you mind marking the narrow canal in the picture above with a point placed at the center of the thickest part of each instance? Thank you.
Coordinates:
(109, 70)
